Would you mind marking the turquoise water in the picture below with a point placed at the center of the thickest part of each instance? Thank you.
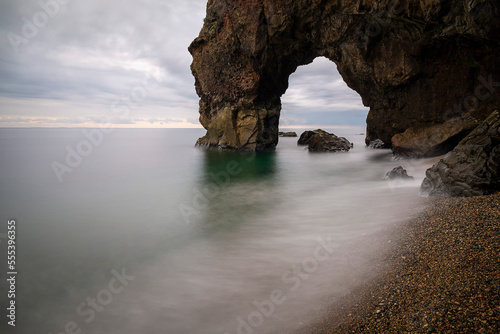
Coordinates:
(143, 233)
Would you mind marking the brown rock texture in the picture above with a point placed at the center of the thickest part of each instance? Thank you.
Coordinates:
(434, 140)
(328, 142)
(306, 136)
(472, 168)
(414, 63)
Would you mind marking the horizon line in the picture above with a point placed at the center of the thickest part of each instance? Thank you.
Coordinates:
(194, 126)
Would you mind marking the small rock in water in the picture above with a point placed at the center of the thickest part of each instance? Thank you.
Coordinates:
(376, 144)
(327, 142)
(398, 173)
(287, 134)
(322, 141)
(306, 136)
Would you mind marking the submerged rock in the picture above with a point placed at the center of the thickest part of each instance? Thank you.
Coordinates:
(327, 142)
(398, 173)
(433, 141)
(306, 136)
(287, 134)
(472, 168)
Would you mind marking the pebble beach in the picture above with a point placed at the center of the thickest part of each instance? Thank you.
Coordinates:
(441, 275)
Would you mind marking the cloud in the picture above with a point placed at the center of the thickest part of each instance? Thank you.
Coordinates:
(75, 61)
(95, 122)
(318, 91)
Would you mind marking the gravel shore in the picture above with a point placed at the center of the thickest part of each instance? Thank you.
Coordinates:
(442, 276)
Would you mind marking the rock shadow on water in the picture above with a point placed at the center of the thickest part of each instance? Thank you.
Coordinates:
(234, 187)
(223, 168)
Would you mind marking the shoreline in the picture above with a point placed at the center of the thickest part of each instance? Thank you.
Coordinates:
(441, 275)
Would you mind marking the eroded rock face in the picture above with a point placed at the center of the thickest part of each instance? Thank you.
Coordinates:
(472, 168)
(414, 63)
(434, 140)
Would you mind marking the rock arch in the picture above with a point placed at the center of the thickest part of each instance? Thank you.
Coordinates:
(414, 63)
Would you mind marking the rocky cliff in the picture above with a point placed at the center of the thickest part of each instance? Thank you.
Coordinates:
(472, 168)
(415, 63)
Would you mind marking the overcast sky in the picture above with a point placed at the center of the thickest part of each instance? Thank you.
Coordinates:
(81, 62)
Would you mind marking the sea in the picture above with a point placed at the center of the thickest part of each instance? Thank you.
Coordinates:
(138, 231)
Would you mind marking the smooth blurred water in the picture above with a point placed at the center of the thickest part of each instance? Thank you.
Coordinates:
(212, 240)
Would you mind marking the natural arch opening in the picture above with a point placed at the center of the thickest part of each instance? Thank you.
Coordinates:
(415, 66)
(317, 96)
